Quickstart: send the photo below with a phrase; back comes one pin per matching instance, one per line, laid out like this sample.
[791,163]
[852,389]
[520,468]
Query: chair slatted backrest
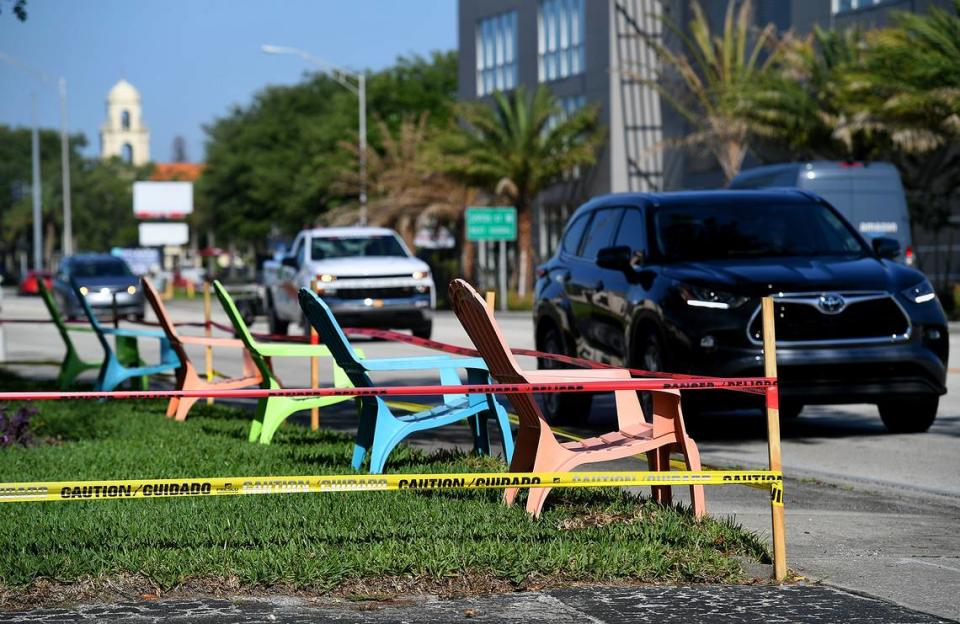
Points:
[243,332]
[92,317]
[54,312]
[321,317]
[483,330]
[164,319]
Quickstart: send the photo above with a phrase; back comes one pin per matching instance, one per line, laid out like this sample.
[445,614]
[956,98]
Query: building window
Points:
[840,6]
[127,153]
[497,53]
[125,120]
[559,39]
[567,105]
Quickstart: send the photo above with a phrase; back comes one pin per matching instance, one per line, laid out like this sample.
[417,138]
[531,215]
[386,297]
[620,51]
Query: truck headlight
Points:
[421,274]
[705,297]
[131,290]
[326,278]
[921,293]
[84,290]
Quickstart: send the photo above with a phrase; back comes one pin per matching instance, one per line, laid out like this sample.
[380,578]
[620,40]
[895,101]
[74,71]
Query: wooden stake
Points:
[773,438]
[207,331]
[314,370]
[491,298]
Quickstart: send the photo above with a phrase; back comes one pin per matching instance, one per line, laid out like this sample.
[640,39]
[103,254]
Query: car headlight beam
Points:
[706,297]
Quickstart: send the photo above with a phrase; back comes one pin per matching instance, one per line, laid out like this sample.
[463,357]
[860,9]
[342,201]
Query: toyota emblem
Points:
[831,303]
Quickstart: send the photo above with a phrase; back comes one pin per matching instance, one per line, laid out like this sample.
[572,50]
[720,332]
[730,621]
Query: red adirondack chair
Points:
[187,376]
[537,447]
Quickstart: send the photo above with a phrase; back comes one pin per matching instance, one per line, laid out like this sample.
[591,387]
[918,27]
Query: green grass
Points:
[317,541]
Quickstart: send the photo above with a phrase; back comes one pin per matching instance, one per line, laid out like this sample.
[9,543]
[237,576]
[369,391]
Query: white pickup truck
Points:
[366,275]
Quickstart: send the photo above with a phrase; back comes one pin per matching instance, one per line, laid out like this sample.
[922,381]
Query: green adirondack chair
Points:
[73,365]
[272,411]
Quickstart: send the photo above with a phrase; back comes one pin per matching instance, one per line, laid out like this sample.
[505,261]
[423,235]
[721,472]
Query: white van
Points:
[868,194]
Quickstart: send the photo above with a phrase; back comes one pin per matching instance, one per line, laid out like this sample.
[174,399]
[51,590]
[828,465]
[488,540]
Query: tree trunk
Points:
[524,245]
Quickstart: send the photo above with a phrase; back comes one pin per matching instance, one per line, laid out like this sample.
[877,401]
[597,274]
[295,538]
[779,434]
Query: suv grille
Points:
[865,318]
[391,292]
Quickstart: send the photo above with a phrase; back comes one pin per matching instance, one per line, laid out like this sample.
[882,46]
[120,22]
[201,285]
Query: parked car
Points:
[107,283]
[869,194]
[366,275]
[28,285]
[673,281]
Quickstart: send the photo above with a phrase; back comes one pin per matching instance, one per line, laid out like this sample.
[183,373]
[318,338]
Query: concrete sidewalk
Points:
[798,604]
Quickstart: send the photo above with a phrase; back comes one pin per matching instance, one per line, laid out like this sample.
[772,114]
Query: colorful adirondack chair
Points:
[538,448]
[380,430]
[72,366]
[187,376]
[115,370]
[272,411]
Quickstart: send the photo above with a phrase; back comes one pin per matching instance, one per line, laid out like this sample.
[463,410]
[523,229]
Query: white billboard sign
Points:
[162,234]
[162,200]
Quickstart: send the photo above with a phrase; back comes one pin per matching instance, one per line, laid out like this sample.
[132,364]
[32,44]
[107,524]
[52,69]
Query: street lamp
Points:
[67,245]
[343,77]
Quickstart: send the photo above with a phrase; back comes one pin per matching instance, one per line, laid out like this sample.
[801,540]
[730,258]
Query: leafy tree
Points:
[709,81]
[515,149]
[273,165]
[19,9]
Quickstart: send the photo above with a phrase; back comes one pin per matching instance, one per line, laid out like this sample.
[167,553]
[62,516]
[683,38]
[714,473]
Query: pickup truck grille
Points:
[391,292]
[864,318]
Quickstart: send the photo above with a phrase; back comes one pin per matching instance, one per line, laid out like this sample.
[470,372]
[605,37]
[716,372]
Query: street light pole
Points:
[37,211]
[360,90]
[66,246]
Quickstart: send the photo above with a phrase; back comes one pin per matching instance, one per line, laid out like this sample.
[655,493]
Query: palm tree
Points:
[517,148]
[804,105]
[710,80]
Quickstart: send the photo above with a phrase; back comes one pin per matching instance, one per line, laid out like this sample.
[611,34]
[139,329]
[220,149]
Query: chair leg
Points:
[276,412]
[506,434]
[183,408]
[256,425]
[172,406]
[692,455]
[524,455]
[388,434]
[666,491]
[548,462]
[365,429]
[653,462]
[481,437]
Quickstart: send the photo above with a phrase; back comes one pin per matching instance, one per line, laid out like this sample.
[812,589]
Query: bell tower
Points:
[123,133]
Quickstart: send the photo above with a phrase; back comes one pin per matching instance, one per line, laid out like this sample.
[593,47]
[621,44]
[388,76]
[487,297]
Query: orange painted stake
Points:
[208,332]
[773,440]
[314,370]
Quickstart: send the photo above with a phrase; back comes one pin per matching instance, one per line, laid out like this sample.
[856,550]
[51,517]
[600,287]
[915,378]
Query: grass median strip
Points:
[318,542]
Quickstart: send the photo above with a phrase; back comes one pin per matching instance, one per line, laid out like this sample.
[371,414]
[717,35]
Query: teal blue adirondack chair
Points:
[380,430]
[114,372]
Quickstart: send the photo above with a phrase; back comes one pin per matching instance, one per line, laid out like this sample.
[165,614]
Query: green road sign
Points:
[491,223]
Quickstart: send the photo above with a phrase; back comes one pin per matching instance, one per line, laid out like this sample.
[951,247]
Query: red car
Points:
[28,285]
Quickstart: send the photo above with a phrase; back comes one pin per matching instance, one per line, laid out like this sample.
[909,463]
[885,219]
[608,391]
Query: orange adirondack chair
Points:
[187,376]
[537,448]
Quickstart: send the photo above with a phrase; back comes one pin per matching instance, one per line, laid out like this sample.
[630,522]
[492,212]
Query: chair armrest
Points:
[133,333]
[575,374]
[209,341]
[286,349]
[423,363]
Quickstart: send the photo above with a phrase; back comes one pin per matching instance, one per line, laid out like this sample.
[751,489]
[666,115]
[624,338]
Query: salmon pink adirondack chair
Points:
[187,376]
[537,448]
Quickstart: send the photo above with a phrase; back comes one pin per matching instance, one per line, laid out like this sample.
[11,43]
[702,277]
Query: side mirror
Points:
[887,248]
[290,261]
[616,258]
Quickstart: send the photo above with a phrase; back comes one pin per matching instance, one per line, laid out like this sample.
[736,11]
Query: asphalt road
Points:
[866,510]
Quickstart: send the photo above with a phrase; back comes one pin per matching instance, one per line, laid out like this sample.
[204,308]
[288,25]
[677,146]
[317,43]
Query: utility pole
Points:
[67,244]
[37,212]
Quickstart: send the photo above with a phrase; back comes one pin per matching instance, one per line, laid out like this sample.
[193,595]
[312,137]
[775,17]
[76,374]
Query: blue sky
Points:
[193,59]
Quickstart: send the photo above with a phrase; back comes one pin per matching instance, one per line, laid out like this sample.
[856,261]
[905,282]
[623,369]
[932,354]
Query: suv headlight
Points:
[921,293]
[705,297]
[421,274]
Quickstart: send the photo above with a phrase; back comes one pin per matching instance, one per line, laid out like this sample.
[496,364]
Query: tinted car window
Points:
[571,240]
[107,267]
[322,248]
[632,231]
[707,232]
[601,232]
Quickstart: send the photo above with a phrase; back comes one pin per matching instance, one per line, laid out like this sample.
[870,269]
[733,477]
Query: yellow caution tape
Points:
[237,486]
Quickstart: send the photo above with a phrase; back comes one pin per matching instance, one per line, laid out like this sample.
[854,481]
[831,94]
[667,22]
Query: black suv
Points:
[673,281]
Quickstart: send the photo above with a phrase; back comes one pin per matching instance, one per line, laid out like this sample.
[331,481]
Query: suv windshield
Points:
[705,232]
[323,248]
[108,267]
